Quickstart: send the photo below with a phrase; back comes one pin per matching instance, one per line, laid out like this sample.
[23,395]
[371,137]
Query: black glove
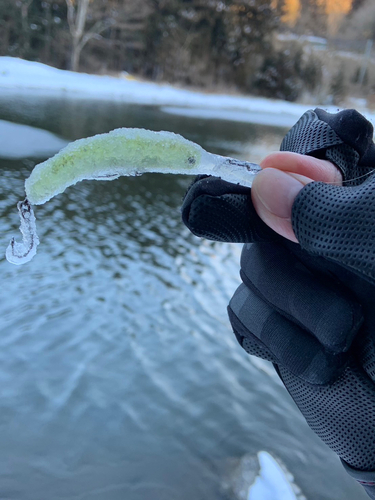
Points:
[310,308]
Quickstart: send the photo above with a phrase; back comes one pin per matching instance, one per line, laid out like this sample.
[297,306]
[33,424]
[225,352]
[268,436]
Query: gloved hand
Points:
[309,307]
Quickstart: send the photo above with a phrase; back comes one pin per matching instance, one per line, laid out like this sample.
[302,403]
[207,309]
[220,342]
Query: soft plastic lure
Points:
[123,151]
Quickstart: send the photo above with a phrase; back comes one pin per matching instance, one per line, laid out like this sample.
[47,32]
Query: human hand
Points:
[276,187]
[308,308]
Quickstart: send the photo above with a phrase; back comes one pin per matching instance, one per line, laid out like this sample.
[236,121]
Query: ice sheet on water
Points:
[23,141]
[20,253]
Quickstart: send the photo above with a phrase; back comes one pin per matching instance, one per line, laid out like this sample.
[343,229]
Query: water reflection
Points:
[74,119]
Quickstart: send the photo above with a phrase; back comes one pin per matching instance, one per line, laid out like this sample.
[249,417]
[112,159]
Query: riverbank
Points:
[26,77]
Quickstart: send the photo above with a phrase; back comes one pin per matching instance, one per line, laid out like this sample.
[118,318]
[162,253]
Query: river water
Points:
[120,377]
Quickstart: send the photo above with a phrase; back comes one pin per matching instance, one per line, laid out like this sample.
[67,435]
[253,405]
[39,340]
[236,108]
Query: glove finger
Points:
[329,313]
[264,332]
[221,211]
[338,223]
[344,138]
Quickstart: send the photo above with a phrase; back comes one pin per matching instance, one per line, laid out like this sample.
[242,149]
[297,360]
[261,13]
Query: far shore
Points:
[18,76]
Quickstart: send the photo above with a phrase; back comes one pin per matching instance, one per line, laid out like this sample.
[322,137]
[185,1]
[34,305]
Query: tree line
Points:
[204,43]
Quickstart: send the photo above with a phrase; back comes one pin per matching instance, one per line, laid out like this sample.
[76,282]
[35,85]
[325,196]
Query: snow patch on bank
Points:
[32,78]
[260,117]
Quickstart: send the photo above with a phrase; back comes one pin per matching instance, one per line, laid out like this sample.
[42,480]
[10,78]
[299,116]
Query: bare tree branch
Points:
[98,28]
[71,15]
[77,17]
[81,16]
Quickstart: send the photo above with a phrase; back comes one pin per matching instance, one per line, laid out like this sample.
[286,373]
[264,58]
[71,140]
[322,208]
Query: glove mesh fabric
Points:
[345,155]
[338,223]
[367,355]
[343,415]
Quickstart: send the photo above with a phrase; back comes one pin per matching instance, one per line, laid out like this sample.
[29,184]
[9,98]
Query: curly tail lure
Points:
[123,151]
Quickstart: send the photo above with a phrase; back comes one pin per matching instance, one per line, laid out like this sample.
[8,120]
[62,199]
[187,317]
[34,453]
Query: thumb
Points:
[273,193]
[284,175]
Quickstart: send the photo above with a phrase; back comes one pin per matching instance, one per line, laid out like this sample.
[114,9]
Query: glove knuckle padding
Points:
[330,313]
[252,343]
[338,223]
[308,330]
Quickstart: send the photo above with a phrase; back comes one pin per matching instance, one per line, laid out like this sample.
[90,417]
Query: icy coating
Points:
[20,253]
[108,156]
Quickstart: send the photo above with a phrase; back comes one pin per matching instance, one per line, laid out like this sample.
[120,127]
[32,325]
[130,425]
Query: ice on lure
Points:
[121,152]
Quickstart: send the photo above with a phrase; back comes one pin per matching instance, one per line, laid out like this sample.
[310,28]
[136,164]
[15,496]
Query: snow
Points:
[260,477]
[260,117]
[32,78]
[272,482]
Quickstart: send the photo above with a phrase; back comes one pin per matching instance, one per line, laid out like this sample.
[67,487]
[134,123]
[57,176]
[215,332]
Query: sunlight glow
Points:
[291,10]
[334,9]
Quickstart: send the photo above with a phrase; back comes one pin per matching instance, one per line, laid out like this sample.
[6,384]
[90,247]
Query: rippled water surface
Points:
[120,377]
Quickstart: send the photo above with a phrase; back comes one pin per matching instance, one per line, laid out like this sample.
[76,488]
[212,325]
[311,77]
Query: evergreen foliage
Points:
[204,43]
[286,74]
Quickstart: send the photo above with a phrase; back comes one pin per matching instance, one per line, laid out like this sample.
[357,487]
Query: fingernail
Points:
[277,190]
